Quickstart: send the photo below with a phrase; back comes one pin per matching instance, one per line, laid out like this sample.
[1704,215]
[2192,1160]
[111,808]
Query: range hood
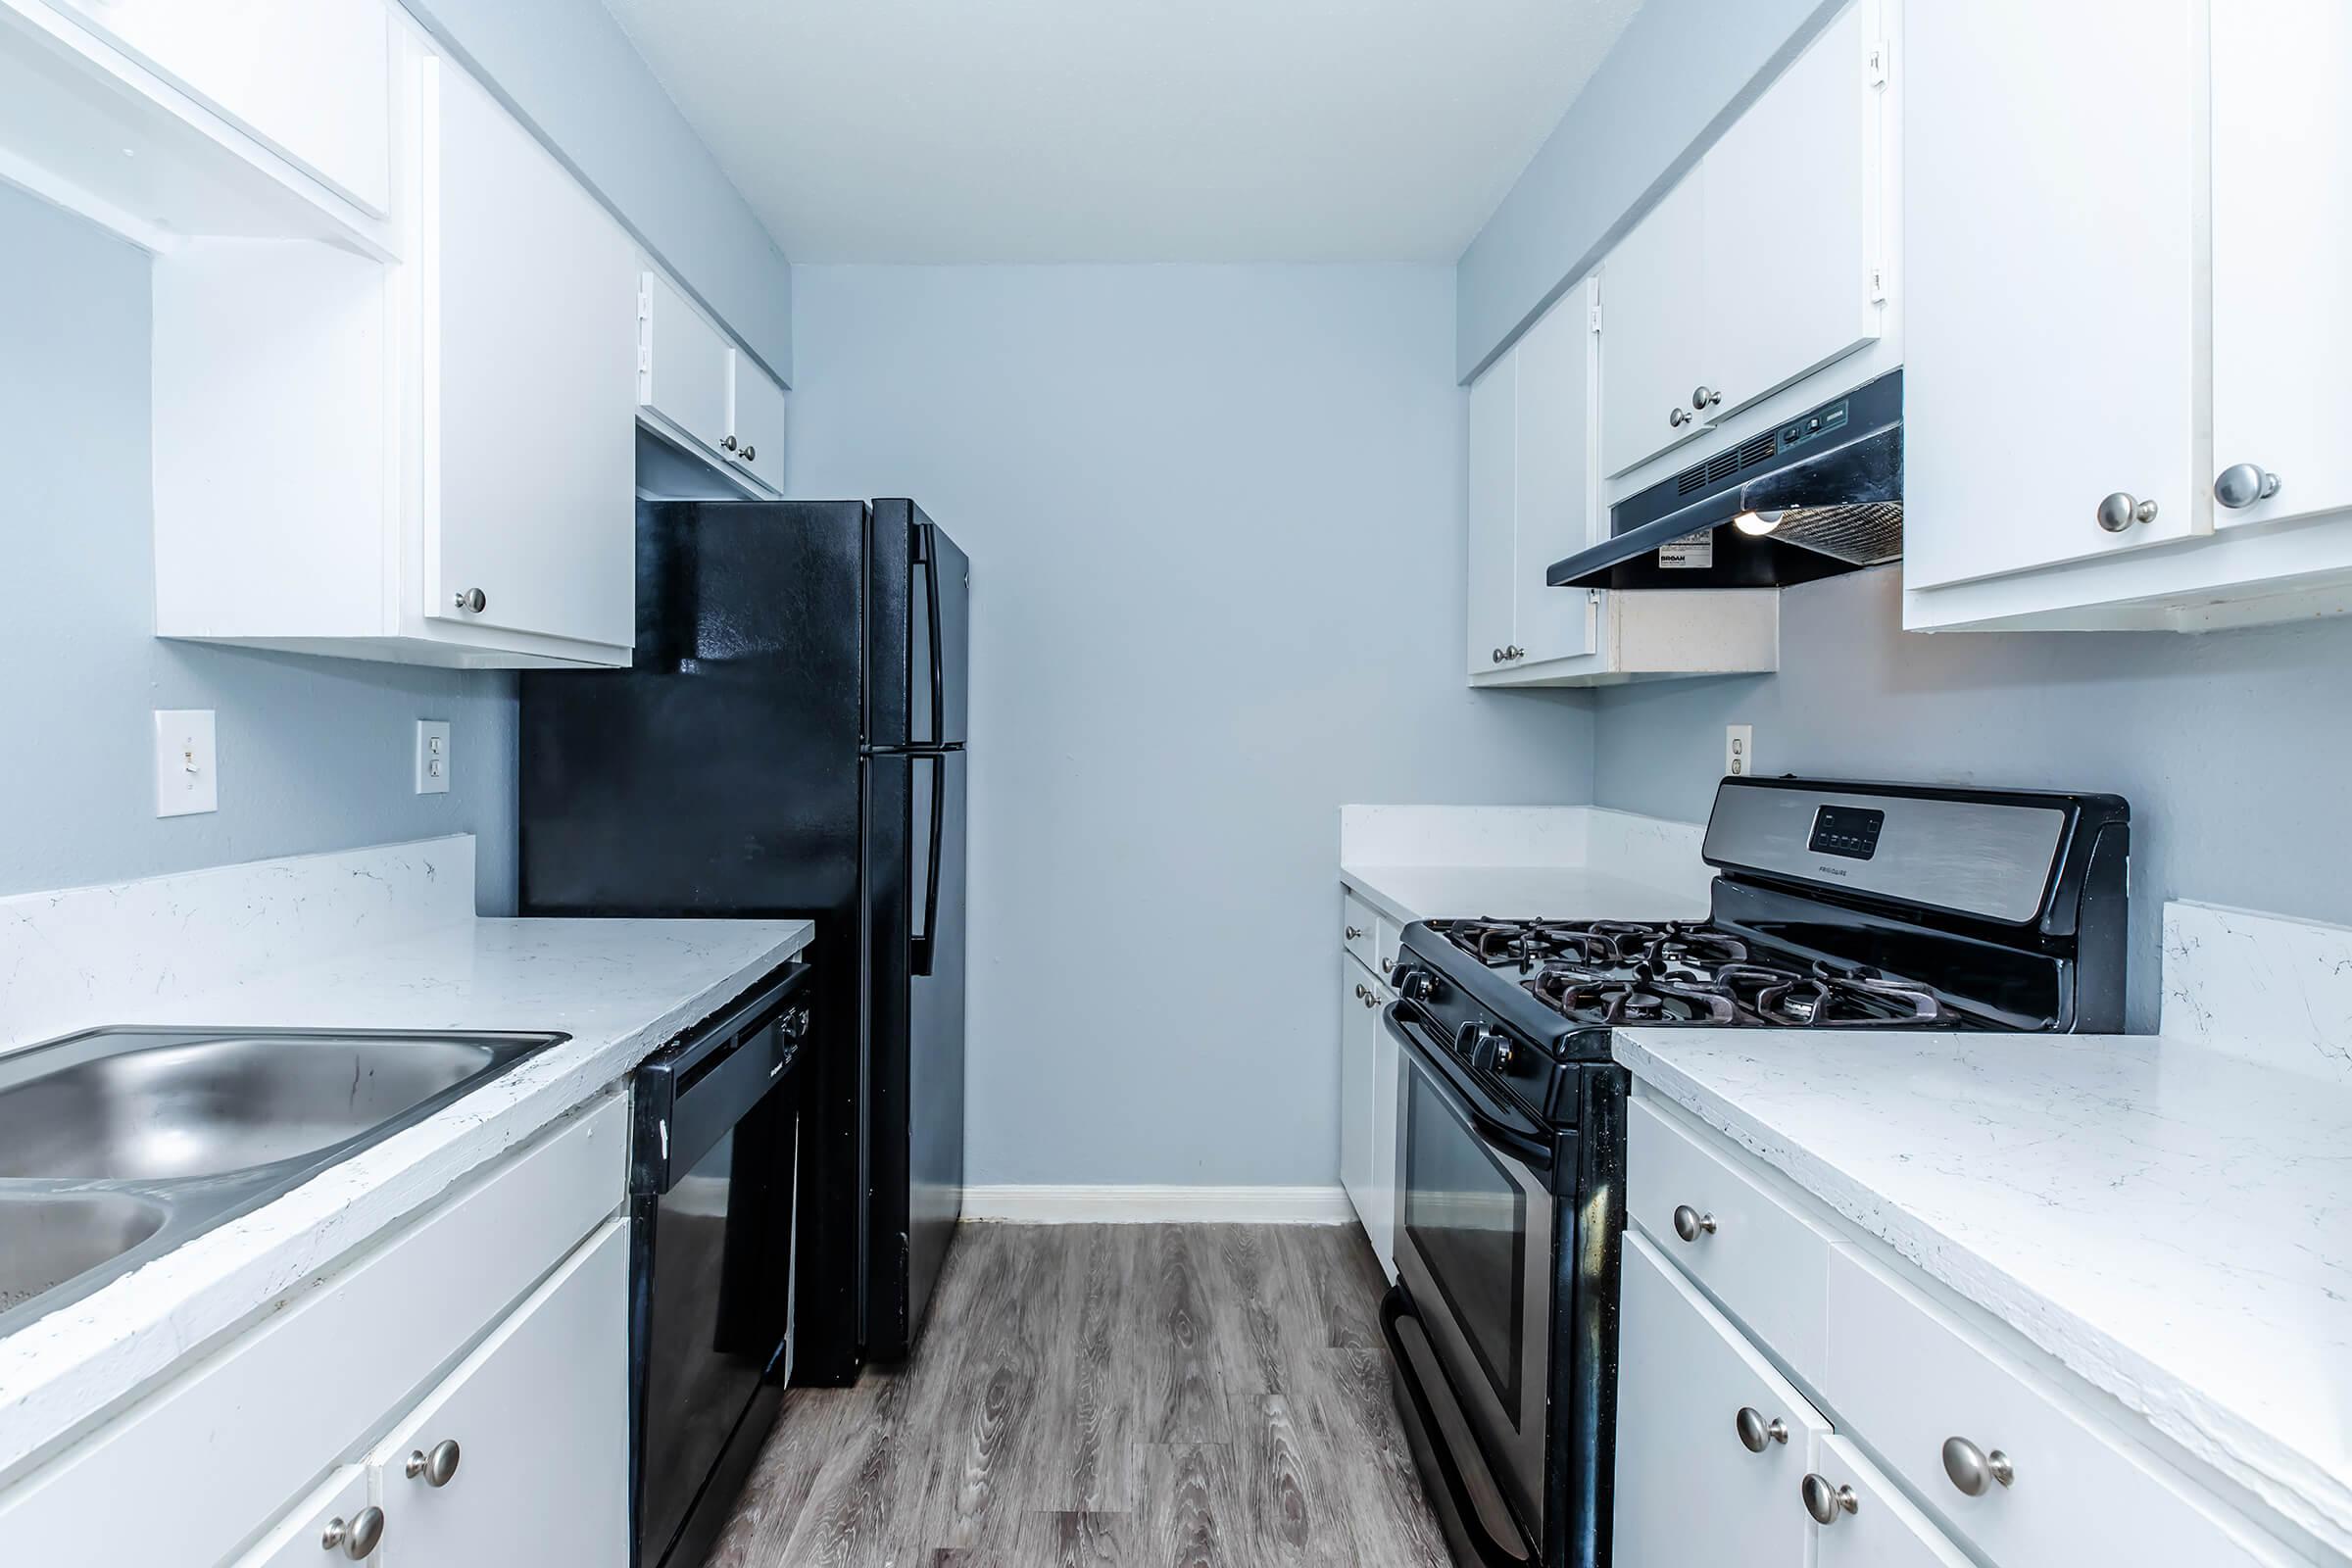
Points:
[1819,494]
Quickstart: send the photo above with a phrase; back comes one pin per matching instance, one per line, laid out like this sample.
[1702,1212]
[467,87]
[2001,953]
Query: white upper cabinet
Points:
[1492,512]
[2053,249]
[530,382]
[2281,257]
[1653,322]
[310,79]
[684,368]
[1794,220]
[1556,512]
[1764,264]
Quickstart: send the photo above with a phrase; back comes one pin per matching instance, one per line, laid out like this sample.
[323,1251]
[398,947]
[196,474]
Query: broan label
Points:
[1691,549]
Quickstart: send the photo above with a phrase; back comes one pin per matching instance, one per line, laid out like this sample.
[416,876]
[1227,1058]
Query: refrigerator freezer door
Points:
[918,633]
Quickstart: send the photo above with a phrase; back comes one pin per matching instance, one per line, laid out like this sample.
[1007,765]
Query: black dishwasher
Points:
[710,1200]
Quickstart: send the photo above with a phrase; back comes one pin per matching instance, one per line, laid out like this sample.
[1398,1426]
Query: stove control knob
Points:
[1418,985]
[1501,1044]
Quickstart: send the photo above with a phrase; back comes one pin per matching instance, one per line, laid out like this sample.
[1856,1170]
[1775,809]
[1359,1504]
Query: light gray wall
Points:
[315,754]
[566,67]
[1214,519]
[1682,70]
[2231,747]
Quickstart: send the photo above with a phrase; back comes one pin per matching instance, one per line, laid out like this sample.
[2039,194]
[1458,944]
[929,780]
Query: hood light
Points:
[1756,525]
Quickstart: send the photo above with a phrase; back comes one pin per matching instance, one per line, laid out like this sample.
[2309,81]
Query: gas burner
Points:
[1583,996]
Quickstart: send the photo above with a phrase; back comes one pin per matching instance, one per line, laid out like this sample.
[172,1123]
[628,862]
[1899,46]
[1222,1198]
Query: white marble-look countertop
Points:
[1570,863]
[2171,1222]
[619,988]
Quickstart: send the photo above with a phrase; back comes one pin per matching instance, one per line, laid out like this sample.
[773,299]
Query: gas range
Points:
[1836,906]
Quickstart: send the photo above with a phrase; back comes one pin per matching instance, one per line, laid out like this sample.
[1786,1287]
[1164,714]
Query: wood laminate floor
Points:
[1118,1395]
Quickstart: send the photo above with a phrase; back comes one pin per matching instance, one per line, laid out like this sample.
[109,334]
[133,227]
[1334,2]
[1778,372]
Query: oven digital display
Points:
[1851,831]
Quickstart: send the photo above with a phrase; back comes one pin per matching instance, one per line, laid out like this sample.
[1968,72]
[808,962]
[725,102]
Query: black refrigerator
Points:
[789,741]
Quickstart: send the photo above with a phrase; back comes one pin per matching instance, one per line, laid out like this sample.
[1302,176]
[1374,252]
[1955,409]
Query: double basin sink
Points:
[119,1145]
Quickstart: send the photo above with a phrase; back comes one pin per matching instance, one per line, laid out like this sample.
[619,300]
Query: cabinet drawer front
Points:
[1763,1260]
[1688,1489]
[1885,1529]
[323,1374]
[1360,930]
[1908,1377]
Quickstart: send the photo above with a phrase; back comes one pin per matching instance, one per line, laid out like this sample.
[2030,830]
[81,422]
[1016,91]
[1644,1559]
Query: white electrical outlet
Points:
[433,756]
[186,763]
[1739,750]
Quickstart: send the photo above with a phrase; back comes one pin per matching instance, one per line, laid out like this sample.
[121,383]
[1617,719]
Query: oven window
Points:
[1469,1220]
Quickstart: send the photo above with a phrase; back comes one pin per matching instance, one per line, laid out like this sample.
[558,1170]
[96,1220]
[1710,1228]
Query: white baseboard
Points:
[1159,1205]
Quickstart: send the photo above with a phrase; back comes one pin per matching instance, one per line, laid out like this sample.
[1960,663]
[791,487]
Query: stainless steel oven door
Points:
[1473,1228]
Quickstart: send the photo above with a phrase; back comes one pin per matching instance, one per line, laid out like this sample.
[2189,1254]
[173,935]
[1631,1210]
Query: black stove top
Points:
[1620,972]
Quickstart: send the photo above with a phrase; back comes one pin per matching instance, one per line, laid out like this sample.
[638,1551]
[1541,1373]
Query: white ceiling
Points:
[1063,131]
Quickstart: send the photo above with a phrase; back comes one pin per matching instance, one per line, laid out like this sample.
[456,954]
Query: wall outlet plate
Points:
[1739,750]
[433,756]
[187,763]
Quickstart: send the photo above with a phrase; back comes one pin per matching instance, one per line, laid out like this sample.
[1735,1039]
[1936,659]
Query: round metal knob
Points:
[473,600]
[1689,1224]
[1371,998]
[1757,1432]
[728,445]
[1826,1501]
[1676,418]
[2241,484]
[750,452]
[1354,931]
[2122,510]
[1514,652]
[1359,991]
[1972,1470]
[1499,656]
[1705,397]
[437,1465]
[357,1538]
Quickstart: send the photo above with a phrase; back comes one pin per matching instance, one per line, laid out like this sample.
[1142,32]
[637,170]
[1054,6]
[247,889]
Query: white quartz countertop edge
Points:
[2302,1490]
[60,1372]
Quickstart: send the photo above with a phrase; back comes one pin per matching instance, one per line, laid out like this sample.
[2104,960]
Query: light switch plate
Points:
[1739,750]
[187,763]
[433,756]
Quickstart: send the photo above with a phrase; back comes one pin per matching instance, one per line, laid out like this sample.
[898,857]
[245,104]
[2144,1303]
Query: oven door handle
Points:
[1522,1143]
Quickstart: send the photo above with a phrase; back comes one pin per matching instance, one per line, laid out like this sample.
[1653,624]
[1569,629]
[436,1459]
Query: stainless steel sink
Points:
[117,1145]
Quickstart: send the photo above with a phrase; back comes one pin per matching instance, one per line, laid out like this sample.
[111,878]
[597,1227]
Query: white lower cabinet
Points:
[1369,1064]
[1869,1523]
[330,1513]
[1692,1393]
[522,1455]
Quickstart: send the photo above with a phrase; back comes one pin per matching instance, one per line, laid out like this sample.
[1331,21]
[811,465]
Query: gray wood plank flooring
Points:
[1109,1397]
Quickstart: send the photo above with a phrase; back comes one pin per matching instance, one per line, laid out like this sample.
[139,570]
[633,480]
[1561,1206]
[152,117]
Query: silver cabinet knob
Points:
[750,452]
[2122,510]
[1757,1433]
[1676,418]
[357,1538]
[1354,931]
[1499,656]
[1824,1500]
[1513,653]
[728,445]
[436,1466]
[1359,991]
[473,600]
[1705,397]
[2241,484]
[1371,997]
[1972,1470]
[1689,1224]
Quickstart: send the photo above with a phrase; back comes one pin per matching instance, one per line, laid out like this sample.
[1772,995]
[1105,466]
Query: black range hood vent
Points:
[1820,495]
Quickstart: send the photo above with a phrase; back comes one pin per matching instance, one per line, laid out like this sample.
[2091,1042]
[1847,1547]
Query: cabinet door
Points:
[298,1540]
[1689,1490]
[2281,252]
[1359,1026]
[758,421]
[1380,1209]
[1493,505]
[1654,345]
[683,366]
[540,1416]
[2051,253]
[1884,1530]
[1555,514]
[309,77]
[530,383]
[1791,195]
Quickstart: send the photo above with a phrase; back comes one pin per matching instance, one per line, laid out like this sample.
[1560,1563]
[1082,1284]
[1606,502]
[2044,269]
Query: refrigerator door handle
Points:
[925,933]
[927,555]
